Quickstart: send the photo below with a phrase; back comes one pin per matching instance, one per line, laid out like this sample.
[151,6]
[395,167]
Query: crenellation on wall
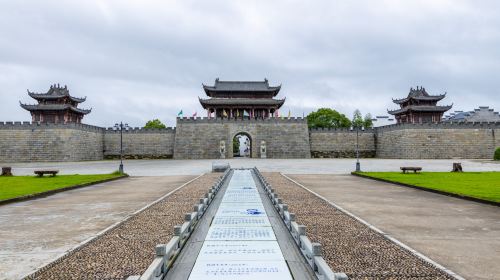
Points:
[141,130]
[347,130]
[441,125]
[36,125]
[257,120]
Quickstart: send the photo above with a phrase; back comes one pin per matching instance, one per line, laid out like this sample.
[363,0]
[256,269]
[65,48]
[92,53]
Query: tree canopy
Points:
[357,119]
[368,123]
[156,123]
[327,118]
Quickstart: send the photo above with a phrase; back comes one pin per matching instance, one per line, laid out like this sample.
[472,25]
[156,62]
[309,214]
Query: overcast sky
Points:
[139,60]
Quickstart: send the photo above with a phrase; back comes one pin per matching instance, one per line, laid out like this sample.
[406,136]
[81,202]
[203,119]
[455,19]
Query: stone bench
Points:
[409,168]
[52,173]
[6,171]
[220,166]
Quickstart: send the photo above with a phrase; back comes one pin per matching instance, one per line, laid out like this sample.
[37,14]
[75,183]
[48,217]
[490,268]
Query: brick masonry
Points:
[285,138]
[438,141]
[21,142]
[341,143]
[140,143]
[201,137]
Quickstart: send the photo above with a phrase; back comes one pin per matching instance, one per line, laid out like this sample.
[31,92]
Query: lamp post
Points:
[120,127]
[358,164]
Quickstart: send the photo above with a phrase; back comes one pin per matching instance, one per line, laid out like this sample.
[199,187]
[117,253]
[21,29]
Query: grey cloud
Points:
[137,60]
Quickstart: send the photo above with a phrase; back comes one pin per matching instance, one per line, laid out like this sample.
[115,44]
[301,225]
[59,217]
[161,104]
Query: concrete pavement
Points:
[463,236]
[291,166]
[35,232]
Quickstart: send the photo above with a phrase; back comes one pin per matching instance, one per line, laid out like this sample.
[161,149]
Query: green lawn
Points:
[15,186]
[483,185]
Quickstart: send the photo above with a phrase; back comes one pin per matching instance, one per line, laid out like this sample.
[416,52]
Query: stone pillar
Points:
[263,149]
[222,149]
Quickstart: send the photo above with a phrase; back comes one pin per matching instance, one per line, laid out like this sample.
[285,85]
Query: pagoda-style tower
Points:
[419,107]
[241,99]
[56,106]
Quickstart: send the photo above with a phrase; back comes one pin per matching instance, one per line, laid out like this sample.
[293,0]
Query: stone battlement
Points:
[346,130]
[201,138]
[142,130]
[441,125]
[220,120]
[35,125]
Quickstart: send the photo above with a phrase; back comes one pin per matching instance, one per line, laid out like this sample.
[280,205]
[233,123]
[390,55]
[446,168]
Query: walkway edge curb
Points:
[385,235]
[464,197]
[52,192]
[102,232]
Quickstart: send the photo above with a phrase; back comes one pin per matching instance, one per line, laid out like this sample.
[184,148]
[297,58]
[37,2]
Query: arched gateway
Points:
[241,113]
[242,145]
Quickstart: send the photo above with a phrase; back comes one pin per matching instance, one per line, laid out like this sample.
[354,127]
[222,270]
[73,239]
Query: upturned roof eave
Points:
[428,98]
[62,108]
[39,96]
[244,103]
[420,109]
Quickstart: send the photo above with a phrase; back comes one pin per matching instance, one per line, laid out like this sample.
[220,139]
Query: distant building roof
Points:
[481,114]
[248,87]
[383,121]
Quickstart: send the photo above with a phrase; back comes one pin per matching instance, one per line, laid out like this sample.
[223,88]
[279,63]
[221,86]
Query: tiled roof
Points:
[416,108]
[54,107]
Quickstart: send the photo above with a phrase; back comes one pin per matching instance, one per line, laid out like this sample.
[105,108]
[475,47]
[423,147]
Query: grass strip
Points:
[481,185]
[19,186]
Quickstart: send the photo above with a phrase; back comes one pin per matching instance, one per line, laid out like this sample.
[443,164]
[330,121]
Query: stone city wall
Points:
[199,138]
[438,141]
[24,142]
[285,138]
[140,143]
[341,143]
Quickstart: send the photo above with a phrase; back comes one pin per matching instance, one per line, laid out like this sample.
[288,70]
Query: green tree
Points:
[497,154]
[368,122]
[357,119]
[327,118]
[236,146]
[156,123]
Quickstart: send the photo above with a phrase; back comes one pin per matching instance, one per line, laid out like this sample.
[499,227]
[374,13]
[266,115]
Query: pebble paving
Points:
[348,245]
[128,249]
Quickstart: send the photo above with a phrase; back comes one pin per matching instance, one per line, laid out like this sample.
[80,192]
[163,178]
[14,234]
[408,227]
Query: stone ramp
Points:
[240,237]
[241,244]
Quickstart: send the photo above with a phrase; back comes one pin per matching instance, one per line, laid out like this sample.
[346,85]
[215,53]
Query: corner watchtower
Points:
[419,107]
[56,106]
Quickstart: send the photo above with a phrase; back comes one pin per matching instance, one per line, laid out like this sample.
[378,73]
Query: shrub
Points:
[497,154]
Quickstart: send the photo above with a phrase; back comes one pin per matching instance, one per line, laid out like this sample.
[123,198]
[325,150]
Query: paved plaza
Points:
[288,166]
[463,236]
[40,230]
